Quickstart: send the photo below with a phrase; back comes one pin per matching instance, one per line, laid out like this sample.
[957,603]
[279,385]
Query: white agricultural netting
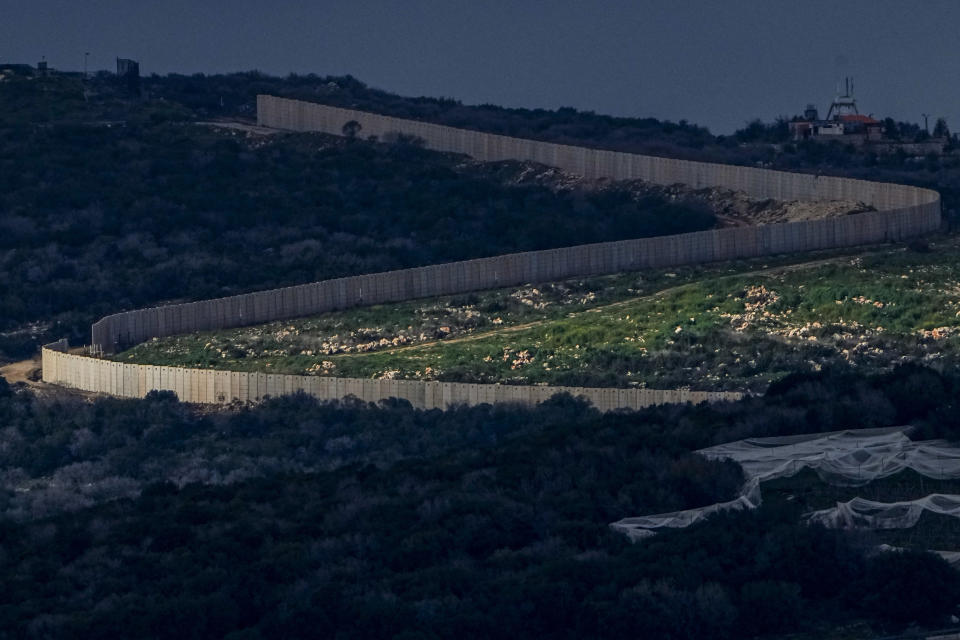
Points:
[645,526]
[952,557]
[869,514]
[848,458]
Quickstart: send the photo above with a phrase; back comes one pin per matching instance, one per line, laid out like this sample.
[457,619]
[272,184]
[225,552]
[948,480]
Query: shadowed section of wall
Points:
[207,386]
[903,212]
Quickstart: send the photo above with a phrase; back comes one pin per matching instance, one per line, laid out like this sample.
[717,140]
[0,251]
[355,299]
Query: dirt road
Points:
[242,126]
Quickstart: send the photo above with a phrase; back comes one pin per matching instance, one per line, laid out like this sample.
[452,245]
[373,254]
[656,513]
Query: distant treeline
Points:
[297,519]
[757,143]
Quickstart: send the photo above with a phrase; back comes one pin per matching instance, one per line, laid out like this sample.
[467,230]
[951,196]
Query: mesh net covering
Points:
[869,514]
[847,458]
[952,557]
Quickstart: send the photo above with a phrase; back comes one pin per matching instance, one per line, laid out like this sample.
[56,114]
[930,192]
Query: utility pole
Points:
[86,55]
[926,125]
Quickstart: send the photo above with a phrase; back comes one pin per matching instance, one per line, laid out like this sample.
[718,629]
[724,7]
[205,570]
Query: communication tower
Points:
[843,104]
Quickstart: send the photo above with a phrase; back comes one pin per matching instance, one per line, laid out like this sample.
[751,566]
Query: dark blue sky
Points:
[718,62]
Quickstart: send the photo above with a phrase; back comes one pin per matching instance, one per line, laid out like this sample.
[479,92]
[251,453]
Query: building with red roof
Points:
[844,122]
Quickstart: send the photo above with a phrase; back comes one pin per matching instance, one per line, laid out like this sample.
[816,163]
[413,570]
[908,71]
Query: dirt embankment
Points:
[732,208]
[737,209]
[23,371]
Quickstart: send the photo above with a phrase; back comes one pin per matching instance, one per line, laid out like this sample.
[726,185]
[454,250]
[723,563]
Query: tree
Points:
[351,129]
[891,129]
[931,583]
[941,130]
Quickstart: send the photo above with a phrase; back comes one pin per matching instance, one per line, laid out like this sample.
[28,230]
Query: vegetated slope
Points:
[234,95]
[99,215]
[110,203]
[731,327]
[755,145]
[731,208]
[300,519]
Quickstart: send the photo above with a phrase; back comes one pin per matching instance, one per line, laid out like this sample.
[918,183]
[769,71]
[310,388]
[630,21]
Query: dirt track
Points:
[242,126]
[472,337]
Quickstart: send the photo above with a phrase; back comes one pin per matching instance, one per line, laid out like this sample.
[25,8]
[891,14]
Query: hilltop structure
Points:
[128,72]
[844,122]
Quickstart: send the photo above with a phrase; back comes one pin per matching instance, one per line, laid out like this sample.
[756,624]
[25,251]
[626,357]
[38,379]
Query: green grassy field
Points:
[733,326]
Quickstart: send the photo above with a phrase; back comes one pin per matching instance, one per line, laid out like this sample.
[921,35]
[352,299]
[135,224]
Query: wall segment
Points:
[298,115]
[902,212]
[208,386]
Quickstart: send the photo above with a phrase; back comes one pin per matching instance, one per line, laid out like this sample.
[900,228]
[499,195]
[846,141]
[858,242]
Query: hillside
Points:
[757,144]
[183,212]
[293,516]
[190,212]
[296,518]
[725,327]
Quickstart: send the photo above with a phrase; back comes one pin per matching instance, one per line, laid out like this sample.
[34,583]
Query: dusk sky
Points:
[714,63]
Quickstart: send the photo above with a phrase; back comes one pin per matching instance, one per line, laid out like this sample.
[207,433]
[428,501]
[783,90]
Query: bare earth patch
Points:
[24,371]
[732,208]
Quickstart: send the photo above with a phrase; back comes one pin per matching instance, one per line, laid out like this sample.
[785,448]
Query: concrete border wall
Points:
[903,212]
[298,115]
[208,386]
[117,331]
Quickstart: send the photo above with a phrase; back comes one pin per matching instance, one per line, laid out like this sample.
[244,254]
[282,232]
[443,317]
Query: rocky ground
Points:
[732,208]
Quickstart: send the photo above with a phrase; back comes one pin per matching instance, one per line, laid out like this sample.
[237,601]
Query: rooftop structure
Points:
[843,122]
[129,72]
[127,67]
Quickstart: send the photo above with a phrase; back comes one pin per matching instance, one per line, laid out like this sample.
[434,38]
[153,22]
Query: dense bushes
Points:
[346,555]
[300,519]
